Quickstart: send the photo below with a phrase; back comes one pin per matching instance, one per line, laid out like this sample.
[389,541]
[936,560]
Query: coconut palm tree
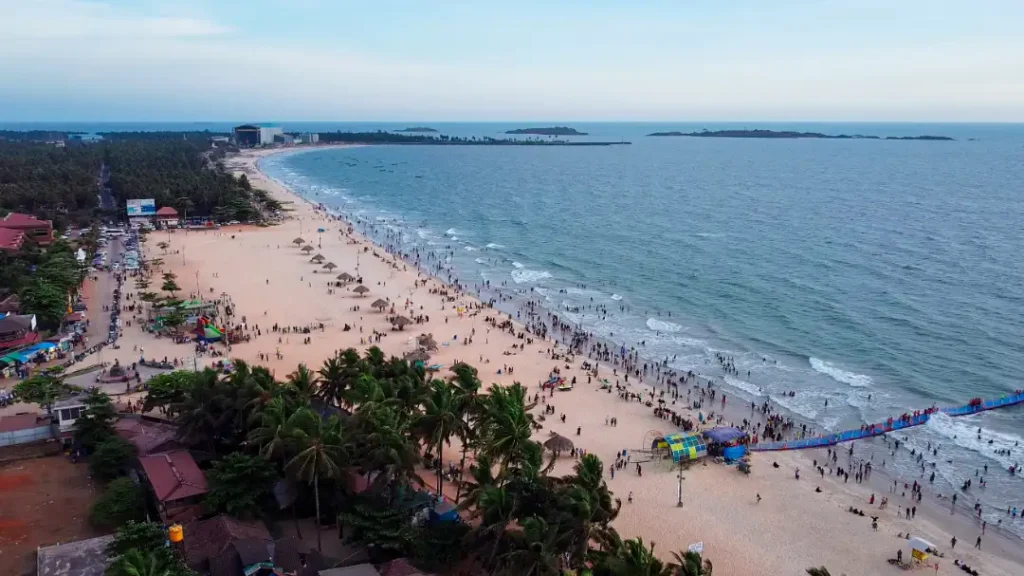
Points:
[534,551]
[691,564]
[303,383]
[338,375]
[441,419]
[139,563]
[320,452]
[820,571]
[386,450]
[505,425]
[269,432]
[632,558]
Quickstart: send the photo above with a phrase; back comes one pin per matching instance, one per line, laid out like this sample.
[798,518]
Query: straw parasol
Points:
[360,289]
[318,258]
[426,341]
[418,355]
[330,266]
[307,248]
[298,241]
[558,443]
[380,303]
[400,322]
[346,277]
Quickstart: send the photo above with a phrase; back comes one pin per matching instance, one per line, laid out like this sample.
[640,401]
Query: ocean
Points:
[881,276]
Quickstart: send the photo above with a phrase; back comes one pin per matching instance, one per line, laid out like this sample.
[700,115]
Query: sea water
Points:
[881,276]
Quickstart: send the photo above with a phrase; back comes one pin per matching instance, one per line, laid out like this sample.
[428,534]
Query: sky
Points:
[483,60]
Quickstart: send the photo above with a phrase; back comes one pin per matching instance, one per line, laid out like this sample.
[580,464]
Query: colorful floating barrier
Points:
[891,425]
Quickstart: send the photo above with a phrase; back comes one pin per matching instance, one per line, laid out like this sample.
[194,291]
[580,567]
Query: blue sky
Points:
[894,60]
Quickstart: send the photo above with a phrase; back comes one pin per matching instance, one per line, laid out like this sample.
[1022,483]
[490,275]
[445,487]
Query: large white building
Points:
[251,135]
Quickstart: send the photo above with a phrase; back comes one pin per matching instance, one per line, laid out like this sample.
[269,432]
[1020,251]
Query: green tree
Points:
[386,531]
[338,376]
[691,564]
[159,562]
[303,383]
[170,285]
[820,571]
[163,246]
[174,318]
[138,535]
[240,485]
[535,550]
[111,458]
[48,301]
[441,419]
[120,502]
[97,421]
[43,390]
[166,390]
[320,452]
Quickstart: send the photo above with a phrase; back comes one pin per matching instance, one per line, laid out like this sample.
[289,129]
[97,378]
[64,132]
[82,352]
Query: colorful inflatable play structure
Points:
[206,332]
[683,446]
[908,420]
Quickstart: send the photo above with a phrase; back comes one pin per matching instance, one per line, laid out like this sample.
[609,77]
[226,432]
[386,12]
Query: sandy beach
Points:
[271,282]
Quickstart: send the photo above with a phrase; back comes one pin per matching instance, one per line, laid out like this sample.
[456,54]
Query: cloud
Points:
[69,19]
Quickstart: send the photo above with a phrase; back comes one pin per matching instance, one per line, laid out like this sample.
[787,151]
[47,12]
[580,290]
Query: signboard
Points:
[141,207]
[698,548]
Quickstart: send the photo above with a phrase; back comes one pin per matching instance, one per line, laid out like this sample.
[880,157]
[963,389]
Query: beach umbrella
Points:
[330,266]
[298,241]
[418,355]
[400,322]
[558,443]
[307,248]
[427,342]
[318,258]
[360,289]
[346,277]
[380,303]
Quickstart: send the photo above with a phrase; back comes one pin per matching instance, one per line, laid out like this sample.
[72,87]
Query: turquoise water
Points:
[880,276]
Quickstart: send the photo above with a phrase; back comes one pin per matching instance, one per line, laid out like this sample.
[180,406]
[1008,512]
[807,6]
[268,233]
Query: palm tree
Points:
[469,395]
[506,425]
[535,550]
[136,563]
[691,564]
[820,571]
[386,449]
[440,420]
[338,375]
[633,558]
[269,432]
[303,383]
[321,452]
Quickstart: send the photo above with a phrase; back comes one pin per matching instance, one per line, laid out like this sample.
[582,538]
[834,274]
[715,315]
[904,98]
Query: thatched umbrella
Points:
[360,289]
[298,241]
[427,342]
[400,322]
[418,355]
[346,277]
[318,258]
[380,303]
[307,248]
[330,266]
[558,443]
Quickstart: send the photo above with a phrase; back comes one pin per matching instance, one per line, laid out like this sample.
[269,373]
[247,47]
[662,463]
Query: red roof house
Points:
[11,239]
[149,436]
[177,483]
[40,231]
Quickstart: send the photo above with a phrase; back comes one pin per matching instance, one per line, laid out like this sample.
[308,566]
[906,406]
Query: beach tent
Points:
[683,446]
[729,441]
[724,434]
[919,548]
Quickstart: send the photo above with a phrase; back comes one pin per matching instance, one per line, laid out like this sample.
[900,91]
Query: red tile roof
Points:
[167,211]
[22,221]
[28,338]
[11,239]
[174,475]
[22,422]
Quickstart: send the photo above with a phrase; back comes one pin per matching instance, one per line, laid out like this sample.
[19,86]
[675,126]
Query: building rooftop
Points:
[82,558]
[17,323]
[22,422]
[148,436]
[357,570]
[174,475]
[20,221]
[70,402]
[11,239]
[167,211]
[207,539]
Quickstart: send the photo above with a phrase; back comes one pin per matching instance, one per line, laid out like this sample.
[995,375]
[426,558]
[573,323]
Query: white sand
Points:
[791,529]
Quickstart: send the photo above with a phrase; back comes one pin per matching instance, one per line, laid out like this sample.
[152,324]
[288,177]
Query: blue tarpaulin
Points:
[724,434]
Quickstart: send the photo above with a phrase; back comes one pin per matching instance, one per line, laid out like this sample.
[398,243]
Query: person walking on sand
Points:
[759,498]
[977,543]
[630,498]
[578,430]
[952,543]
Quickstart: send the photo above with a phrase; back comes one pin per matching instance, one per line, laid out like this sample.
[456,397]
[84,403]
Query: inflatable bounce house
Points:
[206,331]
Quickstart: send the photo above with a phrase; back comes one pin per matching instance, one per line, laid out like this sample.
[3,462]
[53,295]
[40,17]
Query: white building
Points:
[267,134]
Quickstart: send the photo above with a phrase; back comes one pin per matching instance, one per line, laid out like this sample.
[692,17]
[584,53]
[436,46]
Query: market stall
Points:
[727,441]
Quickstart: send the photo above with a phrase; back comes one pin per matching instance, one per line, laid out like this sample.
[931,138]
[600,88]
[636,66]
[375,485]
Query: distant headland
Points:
[551,131]
[790,135]
[423,129]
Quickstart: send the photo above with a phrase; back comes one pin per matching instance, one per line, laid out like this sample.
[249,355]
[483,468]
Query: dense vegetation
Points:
[375,421]
[43,280]
[58,184]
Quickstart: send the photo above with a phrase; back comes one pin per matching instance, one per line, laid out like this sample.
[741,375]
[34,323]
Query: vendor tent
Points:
[724,434]
[683,447]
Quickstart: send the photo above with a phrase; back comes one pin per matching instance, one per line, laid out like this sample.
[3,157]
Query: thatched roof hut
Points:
[380,303]
[558,443]
[298,241]
[418,355]
[318,258]
[307,248]
[360,289]
[400,322]
[346,277]
[330,266]
[426,341]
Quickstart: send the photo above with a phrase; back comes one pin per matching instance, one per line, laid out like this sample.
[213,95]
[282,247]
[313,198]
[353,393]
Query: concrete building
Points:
[65,412]
[81,558]
[39,231]
[167,217]
[268,134]
[249,135]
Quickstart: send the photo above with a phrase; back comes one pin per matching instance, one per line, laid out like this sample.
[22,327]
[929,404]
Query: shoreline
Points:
[271,282]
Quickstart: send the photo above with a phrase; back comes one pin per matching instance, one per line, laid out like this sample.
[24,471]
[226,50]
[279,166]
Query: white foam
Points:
[492,245]
[517,265]
[663,326]
[469,249]
[839,375]
[616,297]
[522,275]
[455,237]
[743,385]
[481,261]
[964,433]
[451,231]
[423,233]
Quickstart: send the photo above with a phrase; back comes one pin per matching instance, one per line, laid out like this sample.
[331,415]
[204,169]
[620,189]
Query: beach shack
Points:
[728,442]
[920,549]
[682,446]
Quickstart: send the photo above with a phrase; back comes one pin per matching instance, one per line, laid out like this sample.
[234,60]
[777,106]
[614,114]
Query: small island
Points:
[786,134]
[417,129]
[551,131]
